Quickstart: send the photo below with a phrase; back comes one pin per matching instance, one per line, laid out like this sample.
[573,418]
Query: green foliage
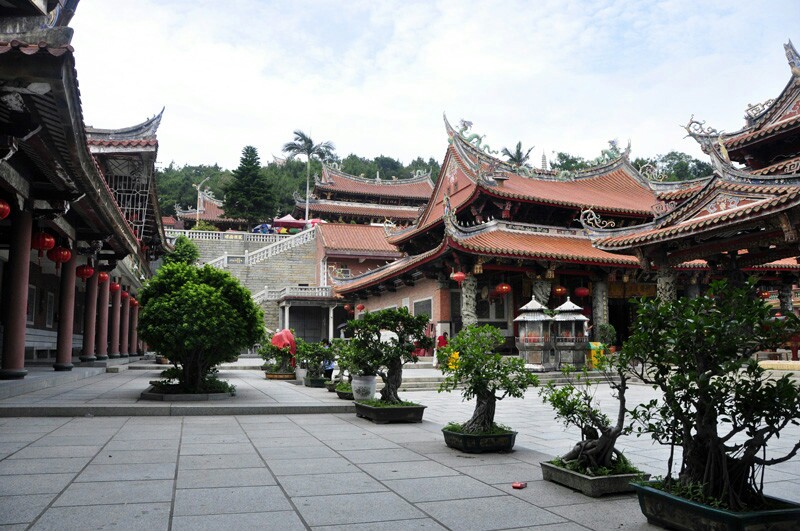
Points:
[480,370]
[677,166]
[517,157]
[198,318]
[496,429]
[175,184]
[275,359]
[344,387]
[203,225]
[607,334]
[249,195]
[185,252]
[381,403]
[373,350]
[573,402]
[620,465]
[566,162]
[171,383]
[719,407]
[312,355]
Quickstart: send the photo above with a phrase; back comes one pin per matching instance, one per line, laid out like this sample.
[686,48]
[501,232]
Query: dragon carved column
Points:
[600,302]
[665,284]
[469,292]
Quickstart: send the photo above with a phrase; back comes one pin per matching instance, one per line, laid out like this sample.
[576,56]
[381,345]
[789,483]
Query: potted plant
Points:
[382,343]
[718,408]
[277,362]
[311,355]
[607,335]
[594,465]
[469,361]
[340,349]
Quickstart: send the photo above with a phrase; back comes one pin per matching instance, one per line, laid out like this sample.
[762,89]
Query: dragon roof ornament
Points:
[793,57]
[589,218]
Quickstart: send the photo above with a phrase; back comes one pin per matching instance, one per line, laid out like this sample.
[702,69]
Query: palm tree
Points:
[517,158]
[303,145]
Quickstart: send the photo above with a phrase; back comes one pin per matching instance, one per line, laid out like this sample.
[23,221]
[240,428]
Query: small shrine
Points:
[570,337]
[533,340]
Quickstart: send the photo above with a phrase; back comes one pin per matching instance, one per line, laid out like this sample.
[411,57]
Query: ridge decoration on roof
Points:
[143,131]
[333,179]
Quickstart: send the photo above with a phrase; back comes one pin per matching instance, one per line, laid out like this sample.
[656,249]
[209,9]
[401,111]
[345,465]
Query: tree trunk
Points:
[483,416]
[392,381]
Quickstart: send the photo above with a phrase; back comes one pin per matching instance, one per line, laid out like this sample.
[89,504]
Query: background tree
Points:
[197,318]
[517,157]
[249,195]
[677,166]
[566,162]
[175,184]
[185,252]
[303,145]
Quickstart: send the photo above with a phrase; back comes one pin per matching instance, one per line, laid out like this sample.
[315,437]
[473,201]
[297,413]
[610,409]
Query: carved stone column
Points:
[599,303]
[665,284]
[785,298]
[469,293]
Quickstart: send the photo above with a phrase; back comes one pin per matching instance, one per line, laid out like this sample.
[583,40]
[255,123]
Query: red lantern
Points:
[764,294]
[84,271]
[502,289]
[102,276]
[582,292]
[134,302]
[560,291]
[459,277]
[59,255]
[347,307]
[360,307]
[42,241]
[125,294]
[5,209]
[113,287]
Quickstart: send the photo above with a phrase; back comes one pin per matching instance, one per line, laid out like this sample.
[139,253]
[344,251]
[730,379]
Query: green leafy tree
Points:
[566,162]
[197,318]
[175,184]
[482,373]
[203,225]
[385,354]
[249,196]
[676,166]
[185,252]
[517,157]
[719,407]
[303,145]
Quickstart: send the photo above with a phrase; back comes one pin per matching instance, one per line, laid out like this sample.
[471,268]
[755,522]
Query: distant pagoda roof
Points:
[418,187]
[211,209]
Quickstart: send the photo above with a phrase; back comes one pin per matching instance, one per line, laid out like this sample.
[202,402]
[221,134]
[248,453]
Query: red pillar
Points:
[89,318]
[102,321]
[124,340]
[134,350]
[113,349]
[66,314]
[13,366]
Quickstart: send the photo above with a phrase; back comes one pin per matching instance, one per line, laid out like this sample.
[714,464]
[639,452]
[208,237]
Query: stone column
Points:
[134,349]
[286,316]
[89,319]
[469,294]
[102,320]
[785,298]
[665,284]
[113,348]
[599,303]
[330,322]
[66,314]
[124,327]
[13,366]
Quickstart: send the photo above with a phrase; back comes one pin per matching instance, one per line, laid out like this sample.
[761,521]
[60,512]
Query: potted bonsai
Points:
[607,335]
[277,356]
[469,360]
[719,409]
[594,466]
[311,355]
[342,353]
[383,342]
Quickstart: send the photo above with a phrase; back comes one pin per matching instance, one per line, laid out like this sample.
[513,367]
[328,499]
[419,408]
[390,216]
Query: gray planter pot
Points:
[478,444]
[384,415]
[594,486]
[364,387]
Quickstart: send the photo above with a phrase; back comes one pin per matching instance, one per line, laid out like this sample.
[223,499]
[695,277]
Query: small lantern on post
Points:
[42,241]
[59,255]
[114,287]
[102,276]
[84,272]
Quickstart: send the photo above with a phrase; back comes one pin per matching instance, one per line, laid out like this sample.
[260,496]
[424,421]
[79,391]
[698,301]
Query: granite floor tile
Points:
[225,500]
[355,508]
[190,462]
[129,472]
[295,467]
[127,516]
[109,493]
[224,477]
[407,469]
[256,521]
[601,515]
[24,508]
[325,484]
[42,466]
[505,512]
[417,524]
[34,484]
[442,488]
[505,473]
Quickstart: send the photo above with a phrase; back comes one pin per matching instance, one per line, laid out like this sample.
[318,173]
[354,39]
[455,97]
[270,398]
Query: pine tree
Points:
[249,195]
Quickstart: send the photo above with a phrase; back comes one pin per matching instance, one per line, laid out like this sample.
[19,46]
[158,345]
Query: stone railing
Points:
[267,294]
[250,258]
[203,235]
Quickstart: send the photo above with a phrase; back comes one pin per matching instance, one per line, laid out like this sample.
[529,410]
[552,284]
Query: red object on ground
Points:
[284,339]
[519,485]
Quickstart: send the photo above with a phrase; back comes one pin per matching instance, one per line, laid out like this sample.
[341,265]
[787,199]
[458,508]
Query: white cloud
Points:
[374,77]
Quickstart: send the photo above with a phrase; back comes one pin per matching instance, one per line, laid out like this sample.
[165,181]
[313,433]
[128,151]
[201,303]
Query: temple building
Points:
[75,202]
[208,209]
[339,197]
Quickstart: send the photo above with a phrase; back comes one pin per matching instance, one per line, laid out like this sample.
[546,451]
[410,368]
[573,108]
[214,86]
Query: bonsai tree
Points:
[469,360]
[276,359]
[342,353]
[198,318]
[718,406]
[311,355]
[607,334]
[383,342]
[574,404]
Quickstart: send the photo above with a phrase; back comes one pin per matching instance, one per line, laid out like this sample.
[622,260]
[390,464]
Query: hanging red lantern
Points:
[560,291]
[84,271]
[582,291]
[502,289]
[59,255]
[764,294]
[347,307]
[42,241]
[360,307]
[113,287]
[125,294]
[102,276]
[5,209]
[459,276]
[134,302]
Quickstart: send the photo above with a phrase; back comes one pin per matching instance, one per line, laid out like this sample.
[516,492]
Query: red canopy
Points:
[290,222]
[284,339]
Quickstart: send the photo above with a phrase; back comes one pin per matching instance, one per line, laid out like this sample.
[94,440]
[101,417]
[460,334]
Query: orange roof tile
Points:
[356,238]
[211,212]
[362,209]
[786,166]
[750,136]
[337,181]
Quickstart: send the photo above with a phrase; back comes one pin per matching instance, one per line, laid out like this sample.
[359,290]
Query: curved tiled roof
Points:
[122,143]
[752,136]
[791,165]
[406,213]
[338,181]
[346,237]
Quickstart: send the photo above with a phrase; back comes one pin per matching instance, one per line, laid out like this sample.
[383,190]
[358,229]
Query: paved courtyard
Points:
[296,471]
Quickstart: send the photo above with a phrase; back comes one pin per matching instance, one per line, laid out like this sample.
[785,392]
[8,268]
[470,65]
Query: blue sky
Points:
[374,77]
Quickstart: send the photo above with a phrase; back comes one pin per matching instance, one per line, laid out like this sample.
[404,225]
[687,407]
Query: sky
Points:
[375,76]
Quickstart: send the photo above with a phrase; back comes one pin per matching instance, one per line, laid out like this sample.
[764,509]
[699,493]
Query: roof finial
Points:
[793,57]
